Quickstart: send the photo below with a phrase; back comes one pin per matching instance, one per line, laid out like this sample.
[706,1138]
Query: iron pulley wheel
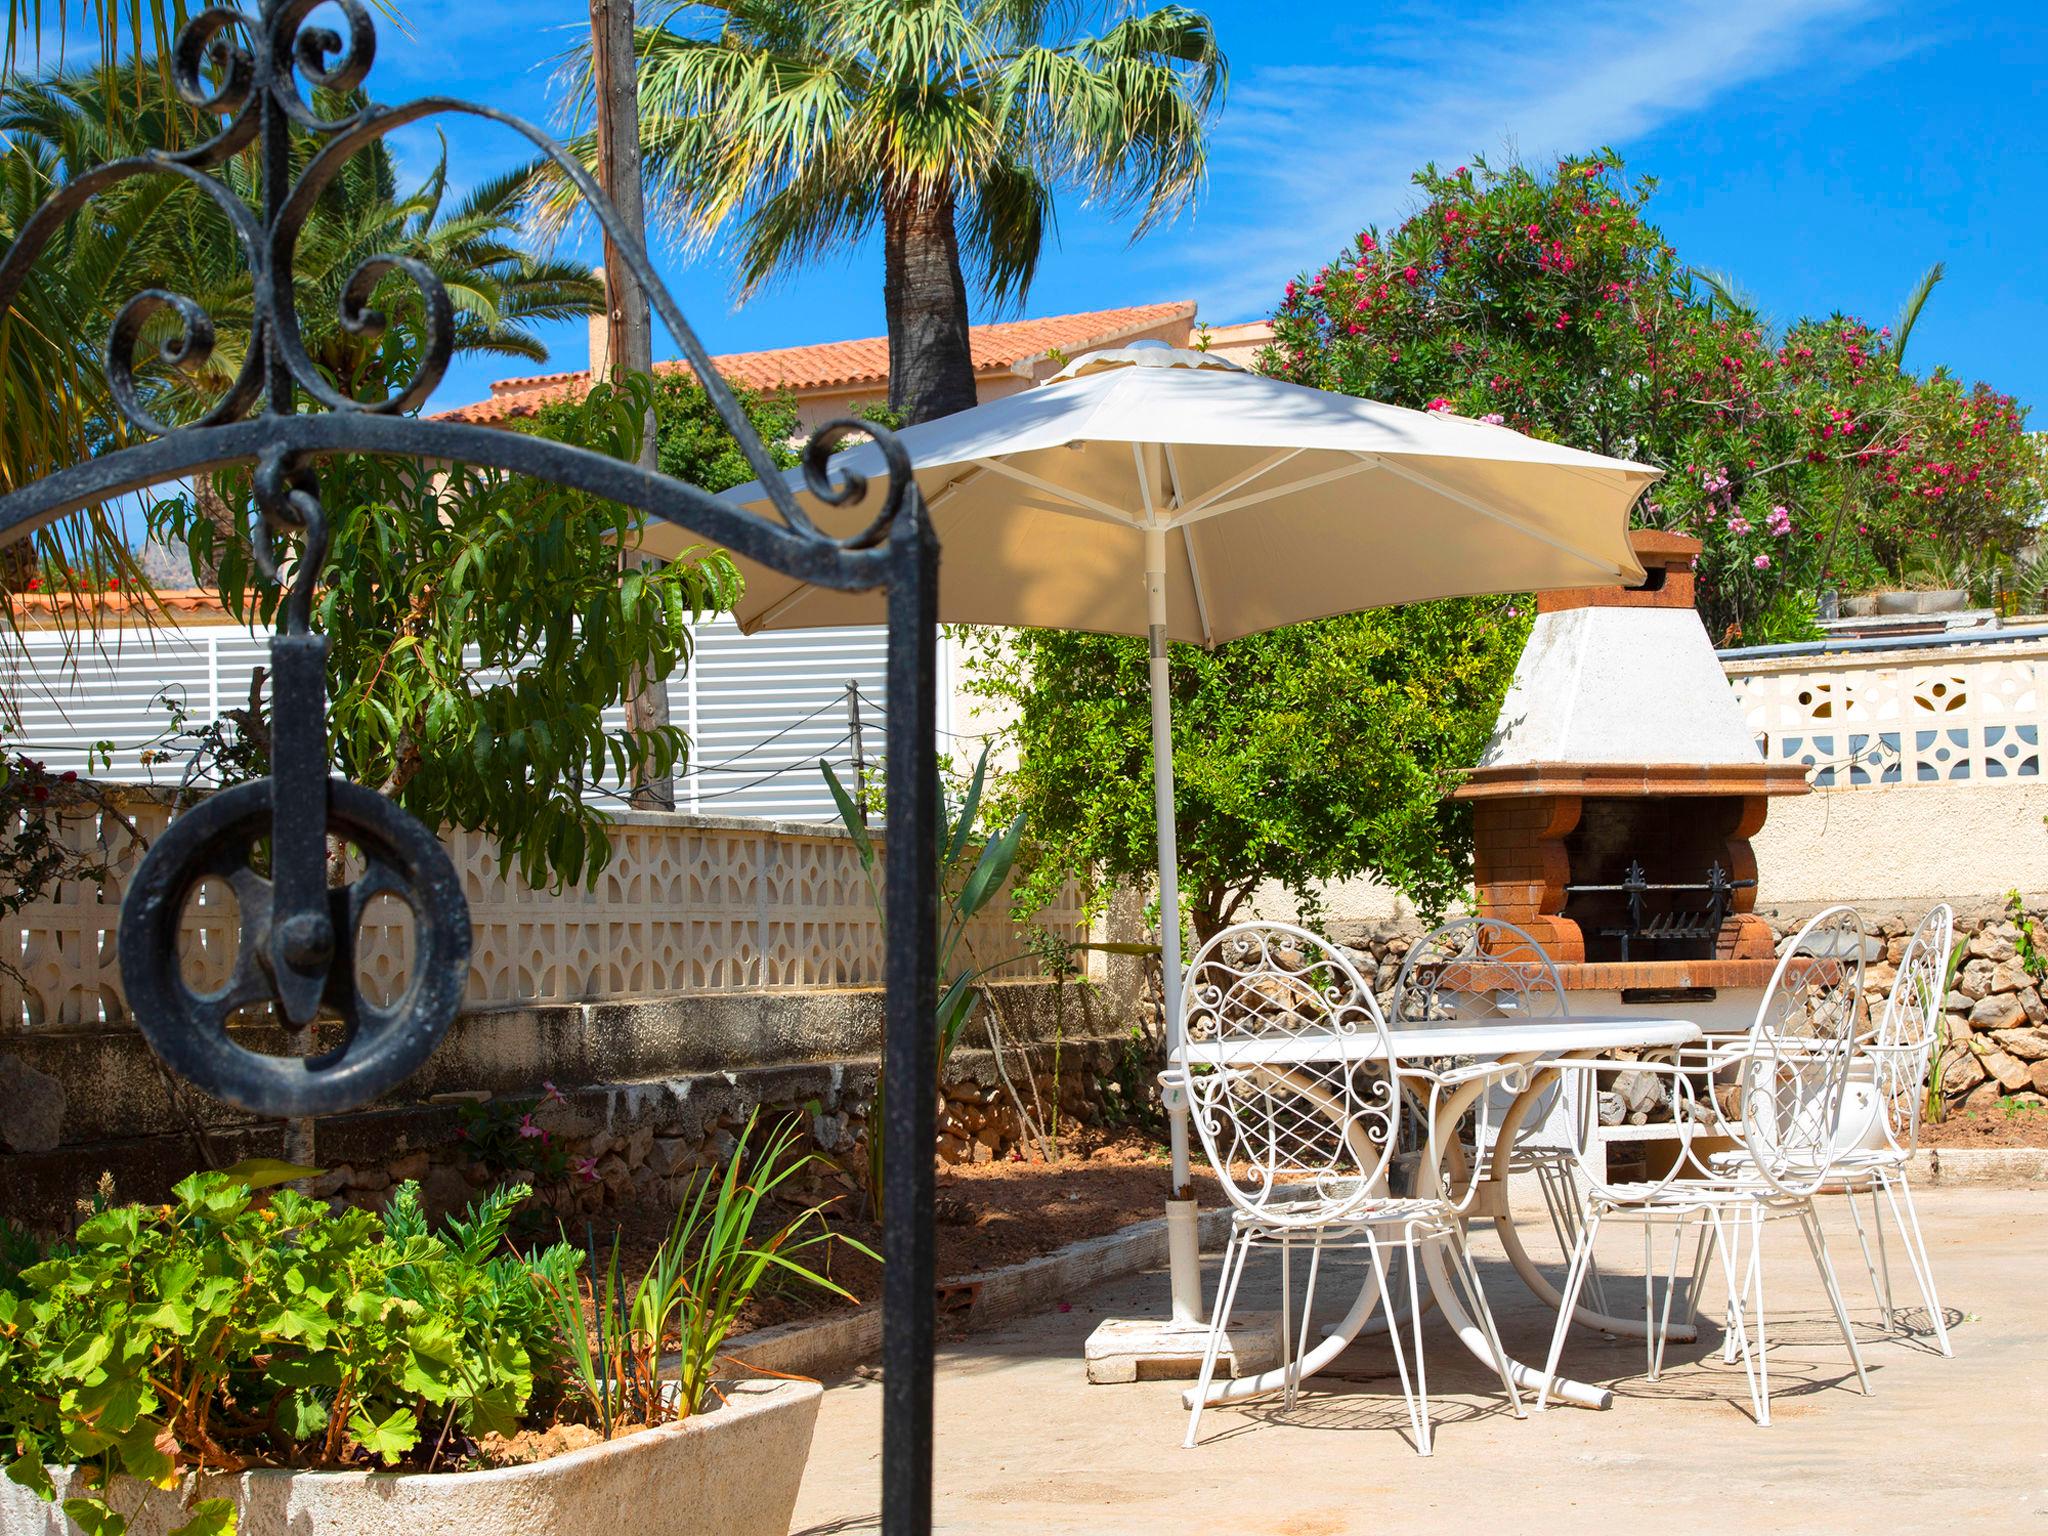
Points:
[382,1043]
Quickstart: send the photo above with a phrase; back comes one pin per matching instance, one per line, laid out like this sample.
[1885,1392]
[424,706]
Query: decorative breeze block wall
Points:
[687,904]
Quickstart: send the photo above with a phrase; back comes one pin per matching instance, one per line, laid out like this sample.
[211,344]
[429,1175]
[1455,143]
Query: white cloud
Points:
[1306,154]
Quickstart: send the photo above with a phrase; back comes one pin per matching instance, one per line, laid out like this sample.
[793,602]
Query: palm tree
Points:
[799,126]
[155,232]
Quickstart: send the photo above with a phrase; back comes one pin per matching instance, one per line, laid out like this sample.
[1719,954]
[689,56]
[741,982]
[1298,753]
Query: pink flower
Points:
[1367,245]
[1738,524]
[586,1169]
[1412,274]
[1762,562]
[1780,521]
[1494,419]
[1438,404]
[528,1129]
[552,1093]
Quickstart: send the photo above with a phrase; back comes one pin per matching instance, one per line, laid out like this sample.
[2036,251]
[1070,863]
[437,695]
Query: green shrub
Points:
[220,1332]
[217,1332]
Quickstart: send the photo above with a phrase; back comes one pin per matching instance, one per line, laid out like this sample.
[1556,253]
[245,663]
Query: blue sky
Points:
[1824,152]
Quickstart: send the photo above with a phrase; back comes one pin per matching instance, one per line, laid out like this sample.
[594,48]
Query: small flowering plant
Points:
[505,1136]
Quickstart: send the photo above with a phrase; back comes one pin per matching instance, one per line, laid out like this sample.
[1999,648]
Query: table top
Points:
[1492,1041]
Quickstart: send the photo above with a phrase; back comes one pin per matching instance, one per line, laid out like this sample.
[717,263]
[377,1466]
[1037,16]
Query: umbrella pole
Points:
[1183,1245]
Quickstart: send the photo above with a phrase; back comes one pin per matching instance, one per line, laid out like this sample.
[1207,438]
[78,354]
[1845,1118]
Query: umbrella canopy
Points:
[1147,491]
[1279,503]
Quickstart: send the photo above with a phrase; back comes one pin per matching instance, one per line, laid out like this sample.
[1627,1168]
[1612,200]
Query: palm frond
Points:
[1909,316]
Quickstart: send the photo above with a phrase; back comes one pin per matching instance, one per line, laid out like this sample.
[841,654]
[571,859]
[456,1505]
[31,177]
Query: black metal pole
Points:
[909,1046]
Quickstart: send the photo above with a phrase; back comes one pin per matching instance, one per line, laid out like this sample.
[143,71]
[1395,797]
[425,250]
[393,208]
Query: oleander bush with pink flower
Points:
[1805,459]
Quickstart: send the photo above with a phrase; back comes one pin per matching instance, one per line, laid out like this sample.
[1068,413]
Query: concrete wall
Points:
[1904,844]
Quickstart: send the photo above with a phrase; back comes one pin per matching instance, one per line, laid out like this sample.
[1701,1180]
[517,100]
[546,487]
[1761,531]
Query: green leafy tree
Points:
[799,127]
[480,629]
[1315,753]
[692,442]
[1553,305]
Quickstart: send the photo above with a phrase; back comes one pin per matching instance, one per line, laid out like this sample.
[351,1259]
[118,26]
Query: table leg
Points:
[1462,1323]
[1511,1239]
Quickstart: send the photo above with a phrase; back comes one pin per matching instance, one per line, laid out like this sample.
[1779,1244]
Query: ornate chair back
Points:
[1794,1069]
[1289,1075]
[1908,1030]
[1475,970]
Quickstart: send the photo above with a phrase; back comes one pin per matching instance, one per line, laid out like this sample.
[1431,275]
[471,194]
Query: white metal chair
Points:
[1880,1126]
[1291,1084]
[1477,970]
[1779,1093]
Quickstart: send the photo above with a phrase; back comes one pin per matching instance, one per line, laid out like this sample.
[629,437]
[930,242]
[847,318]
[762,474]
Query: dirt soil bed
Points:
[2025,1127]
[989,1214]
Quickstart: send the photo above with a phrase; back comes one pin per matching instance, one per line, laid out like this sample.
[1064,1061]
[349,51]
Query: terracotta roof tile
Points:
[846,364]
[31,606]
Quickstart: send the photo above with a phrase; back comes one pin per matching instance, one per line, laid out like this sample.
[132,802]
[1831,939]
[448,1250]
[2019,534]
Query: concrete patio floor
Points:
[1025,1444]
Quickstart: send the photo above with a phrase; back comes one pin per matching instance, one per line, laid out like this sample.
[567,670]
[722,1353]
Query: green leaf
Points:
[955,1009]
[28,1470]
[94,1518]
[849,816]
[992,869]
[210,1517]
[301,1415]
[970,808]
[268,1172]
[389,1438]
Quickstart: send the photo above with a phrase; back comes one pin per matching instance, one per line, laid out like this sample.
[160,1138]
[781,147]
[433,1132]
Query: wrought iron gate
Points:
[281,416]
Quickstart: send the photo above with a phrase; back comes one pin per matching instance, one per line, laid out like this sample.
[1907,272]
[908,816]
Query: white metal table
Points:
[1508,1043]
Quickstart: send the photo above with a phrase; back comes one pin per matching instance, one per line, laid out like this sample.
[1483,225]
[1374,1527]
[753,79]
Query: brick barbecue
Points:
[1613,811]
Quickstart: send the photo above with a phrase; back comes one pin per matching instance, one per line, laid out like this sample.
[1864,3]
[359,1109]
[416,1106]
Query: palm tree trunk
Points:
[631,344]
[931,369]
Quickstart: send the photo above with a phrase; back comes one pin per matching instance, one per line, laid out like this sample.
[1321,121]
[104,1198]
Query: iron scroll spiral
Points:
[271,842]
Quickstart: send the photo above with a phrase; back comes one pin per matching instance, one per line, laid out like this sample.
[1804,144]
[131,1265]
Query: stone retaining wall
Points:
[631,1095]
[1995,1033]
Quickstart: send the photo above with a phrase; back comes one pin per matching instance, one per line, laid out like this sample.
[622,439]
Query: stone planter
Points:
[730,1472]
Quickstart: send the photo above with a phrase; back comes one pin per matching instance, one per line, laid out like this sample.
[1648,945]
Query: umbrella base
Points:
[1155,1349]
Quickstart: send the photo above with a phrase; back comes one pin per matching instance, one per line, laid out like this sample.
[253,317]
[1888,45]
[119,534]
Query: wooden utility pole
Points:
[630,346]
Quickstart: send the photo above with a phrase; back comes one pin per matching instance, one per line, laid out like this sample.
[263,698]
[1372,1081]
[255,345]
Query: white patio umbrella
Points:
[1150,491]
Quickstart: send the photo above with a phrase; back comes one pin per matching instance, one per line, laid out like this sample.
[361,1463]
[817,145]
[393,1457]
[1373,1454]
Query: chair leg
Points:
[1561,1198]
[1738,1332]
[1379,1269]
[1763,1349]
[1481,1310]
[1234,1254]
[1751,1278]
[1286,1321]
[1709,1242]
[1308,1303]
[1884,1258]
[1809,1222]
[1900,1194]
[1415,1313]
[1880,1282]
[1661,1334]
[1575,1277]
